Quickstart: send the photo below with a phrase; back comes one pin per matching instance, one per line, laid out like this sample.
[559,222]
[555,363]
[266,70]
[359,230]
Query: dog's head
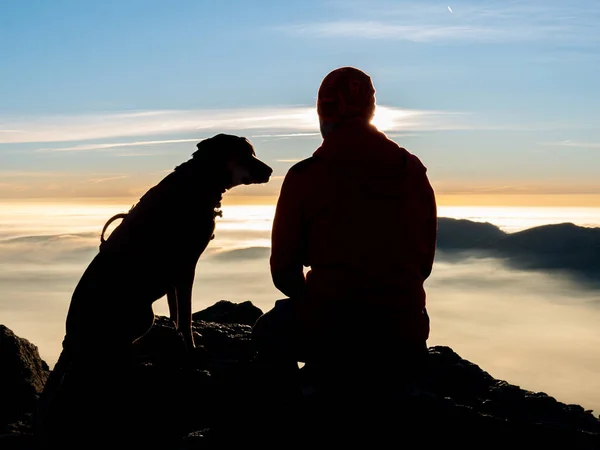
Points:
[235,154]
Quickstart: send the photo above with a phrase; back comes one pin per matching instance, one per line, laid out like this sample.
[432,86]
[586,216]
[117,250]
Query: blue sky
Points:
[101,98]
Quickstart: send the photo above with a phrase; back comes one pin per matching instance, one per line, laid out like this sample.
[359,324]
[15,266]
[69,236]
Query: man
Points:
[361,214]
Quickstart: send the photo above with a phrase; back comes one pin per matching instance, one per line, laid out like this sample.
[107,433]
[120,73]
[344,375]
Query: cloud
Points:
[43,249]
[32,174]
[39,273]
[62,128]
[250,253]
[287,135]
[294,121]
[104,180]
[135,154]
[265,123]
[533,329]
[88,147]
[564,248]
[75,184]
[529,328]
[373,29]
[574,144]
[483,22]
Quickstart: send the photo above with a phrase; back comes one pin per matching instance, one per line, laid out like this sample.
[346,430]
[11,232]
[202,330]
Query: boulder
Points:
[23,375]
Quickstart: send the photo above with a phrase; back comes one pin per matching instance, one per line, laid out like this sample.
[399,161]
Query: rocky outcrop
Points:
[222,398]
[23,375]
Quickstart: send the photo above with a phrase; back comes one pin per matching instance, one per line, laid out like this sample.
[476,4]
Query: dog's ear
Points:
[203,148]
[249,145]
[206,148]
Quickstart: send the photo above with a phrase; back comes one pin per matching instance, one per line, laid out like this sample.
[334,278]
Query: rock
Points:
[221,398]
[224,311]
[23,375]
[18,436]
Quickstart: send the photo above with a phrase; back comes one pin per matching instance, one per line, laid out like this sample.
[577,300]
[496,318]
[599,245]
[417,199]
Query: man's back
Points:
[365,220]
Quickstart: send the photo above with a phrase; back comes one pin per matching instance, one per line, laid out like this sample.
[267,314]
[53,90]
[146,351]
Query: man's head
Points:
[345,94]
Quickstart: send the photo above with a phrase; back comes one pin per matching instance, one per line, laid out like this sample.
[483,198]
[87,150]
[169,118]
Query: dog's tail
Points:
[111,220]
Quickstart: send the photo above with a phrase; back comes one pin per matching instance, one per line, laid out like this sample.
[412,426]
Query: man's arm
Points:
[287,240]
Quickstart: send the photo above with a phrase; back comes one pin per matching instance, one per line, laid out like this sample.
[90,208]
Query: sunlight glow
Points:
[387,118]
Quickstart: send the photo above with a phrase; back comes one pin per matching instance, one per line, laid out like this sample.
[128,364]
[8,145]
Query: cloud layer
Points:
[529,327]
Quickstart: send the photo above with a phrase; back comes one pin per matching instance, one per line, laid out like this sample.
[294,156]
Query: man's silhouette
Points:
[361,214]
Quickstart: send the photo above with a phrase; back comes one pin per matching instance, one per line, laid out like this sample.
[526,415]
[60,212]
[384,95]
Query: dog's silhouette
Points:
[154,250]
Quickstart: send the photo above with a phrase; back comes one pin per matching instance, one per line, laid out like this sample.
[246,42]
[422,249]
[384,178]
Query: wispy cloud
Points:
[104,180]
[375,29]
[272,122]
[76,184]
[267,123]
[569,143]
[23,174]
[135,154]
[62,128]
[467,21]
[287,135]
[88,147]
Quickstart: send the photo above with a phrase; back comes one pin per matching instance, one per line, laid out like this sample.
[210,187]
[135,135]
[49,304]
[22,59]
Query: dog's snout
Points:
[265,171]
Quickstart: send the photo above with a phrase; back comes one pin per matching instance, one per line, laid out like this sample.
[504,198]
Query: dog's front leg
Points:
[172,302]
[184,307]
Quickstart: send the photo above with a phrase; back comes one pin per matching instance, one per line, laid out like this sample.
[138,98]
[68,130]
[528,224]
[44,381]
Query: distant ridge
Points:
[567,248]
[564,247]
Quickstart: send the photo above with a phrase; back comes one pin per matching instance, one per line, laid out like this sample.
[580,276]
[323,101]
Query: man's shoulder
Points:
[410,159]
[302,166]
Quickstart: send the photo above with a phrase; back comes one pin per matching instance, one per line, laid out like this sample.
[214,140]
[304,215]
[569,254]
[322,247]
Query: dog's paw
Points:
[188,341]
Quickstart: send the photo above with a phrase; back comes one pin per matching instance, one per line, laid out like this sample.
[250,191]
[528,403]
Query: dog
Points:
[154,250]
[151,253]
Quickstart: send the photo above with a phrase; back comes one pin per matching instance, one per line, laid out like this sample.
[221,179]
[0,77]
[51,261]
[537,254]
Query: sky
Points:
[499,99]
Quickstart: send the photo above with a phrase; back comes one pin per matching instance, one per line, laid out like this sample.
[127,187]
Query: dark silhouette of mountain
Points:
[217,400]
[565,247]
[461,234]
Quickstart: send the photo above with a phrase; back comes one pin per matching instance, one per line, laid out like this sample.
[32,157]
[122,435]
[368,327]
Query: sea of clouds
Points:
[531,327]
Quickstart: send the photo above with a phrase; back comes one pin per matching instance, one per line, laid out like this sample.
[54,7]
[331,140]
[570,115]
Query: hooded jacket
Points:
[361,214]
